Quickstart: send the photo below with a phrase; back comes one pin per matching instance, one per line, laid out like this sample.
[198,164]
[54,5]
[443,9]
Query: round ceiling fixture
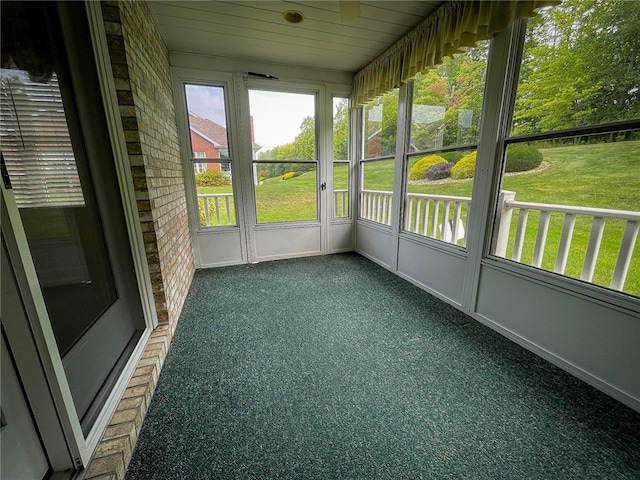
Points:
[293,16]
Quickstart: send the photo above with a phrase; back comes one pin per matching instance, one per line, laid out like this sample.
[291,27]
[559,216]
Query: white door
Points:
[59,160]
[287,179]
[267,167]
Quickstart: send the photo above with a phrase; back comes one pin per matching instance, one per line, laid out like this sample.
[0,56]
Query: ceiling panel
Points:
[256,30]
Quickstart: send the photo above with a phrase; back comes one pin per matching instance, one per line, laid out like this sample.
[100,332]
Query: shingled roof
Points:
[214,132]
[210,130]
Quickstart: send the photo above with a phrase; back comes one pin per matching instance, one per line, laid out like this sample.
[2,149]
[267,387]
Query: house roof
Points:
[209,129]
[213,132]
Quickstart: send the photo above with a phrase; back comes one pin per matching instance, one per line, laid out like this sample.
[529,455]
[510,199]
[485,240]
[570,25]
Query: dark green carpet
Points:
[331,367]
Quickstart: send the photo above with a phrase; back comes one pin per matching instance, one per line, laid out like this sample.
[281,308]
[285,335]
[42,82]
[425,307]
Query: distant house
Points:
[209,141]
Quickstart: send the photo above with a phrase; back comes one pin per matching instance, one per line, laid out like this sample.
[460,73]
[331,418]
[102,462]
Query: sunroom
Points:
[486,153]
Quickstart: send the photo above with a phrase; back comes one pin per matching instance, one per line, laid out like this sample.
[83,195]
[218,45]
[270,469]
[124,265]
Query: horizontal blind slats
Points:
[35,143]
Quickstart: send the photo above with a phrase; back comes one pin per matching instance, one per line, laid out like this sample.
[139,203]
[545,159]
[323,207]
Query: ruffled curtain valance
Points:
[455,25]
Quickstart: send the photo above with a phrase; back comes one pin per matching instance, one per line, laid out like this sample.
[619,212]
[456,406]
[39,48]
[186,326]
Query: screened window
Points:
[341,168]
[209,144]
[286,163]
[570,199]
[377,165]
[445,123]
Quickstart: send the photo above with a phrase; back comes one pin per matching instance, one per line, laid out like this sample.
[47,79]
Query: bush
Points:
[439,171]
[465,168]
[522,157]
[212,178]
[289,175]
[419,169]
[452,157]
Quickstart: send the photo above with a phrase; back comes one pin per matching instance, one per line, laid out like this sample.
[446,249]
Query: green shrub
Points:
[452,157]
[465,168]
[212,178]
[522,157]
[289,175]
[419,169]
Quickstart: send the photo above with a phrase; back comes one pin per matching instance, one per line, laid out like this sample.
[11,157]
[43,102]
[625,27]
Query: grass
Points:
[600,175]
[603,175]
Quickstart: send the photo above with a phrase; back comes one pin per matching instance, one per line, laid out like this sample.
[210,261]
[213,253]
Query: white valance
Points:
[454,26]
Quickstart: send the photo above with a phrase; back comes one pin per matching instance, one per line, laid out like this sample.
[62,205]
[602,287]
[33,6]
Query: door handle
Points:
[323,186]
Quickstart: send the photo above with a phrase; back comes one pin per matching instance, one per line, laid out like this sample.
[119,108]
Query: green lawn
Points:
[601,175]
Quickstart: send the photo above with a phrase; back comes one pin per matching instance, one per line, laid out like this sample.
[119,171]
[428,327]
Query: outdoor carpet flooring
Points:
[332,367]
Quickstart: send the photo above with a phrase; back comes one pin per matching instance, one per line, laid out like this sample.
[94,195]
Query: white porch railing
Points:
[341,203]
[442,217]
[422,216]
[508,205]
[376,205]
[216,207]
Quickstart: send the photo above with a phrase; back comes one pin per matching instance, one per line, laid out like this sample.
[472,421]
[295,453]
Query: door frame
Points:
[207,242]
[243,83]
[36,355]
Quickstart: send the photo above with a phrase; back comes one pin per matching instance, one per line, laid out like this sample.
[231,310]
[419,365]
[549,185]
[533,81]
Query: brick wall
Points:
[200,144]
[140,66]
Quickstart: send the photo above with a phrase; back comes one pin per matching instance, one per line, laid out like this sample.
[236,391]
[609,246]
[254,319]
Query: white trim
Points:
[71,452]
[121,160]
[498,99]
[132,219]
[180,78]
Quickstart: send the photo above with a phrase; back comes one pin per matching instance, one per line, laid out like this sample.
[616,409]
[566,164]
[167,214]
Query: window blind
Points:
[35,142]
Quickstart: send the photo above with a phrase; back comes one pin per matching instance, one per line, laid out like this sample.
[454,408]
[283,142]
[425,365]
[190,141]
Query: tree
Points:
[341,130]
[447,101]
[580,66]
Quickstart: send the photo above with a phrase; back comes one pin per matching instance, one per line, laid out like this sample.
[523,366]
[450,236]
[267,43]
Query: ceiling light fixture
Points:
[293,16]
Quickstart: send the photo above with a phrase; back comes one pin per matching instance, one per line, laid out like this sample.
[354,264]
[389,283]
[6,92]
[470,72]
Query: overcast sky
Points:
[276,115]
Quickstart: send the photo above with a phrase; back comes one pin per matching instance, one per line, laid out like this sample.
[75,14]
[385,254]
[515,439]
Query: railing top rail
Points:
[447,198]
[385,192]
[594,212]
[214,195]
[340,190]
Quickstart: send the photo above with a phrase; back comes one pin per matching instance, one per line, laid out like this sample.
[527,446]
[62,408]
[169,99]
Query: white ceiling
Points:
[255,30]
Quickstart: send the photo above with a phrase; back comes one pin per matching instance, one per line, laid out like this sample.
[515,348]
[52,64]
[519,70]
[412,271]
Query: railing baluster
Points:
[520,233]
[380,209]
[408,214]
[445,219]
[541,238]
[226,202]
[363,205]
[207,220]
[504,214]
[434,219]
[624,255]
[216,202]
[592,249]
[343,203]
[417,221]
[425,220]
[456,220]
[565,243]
